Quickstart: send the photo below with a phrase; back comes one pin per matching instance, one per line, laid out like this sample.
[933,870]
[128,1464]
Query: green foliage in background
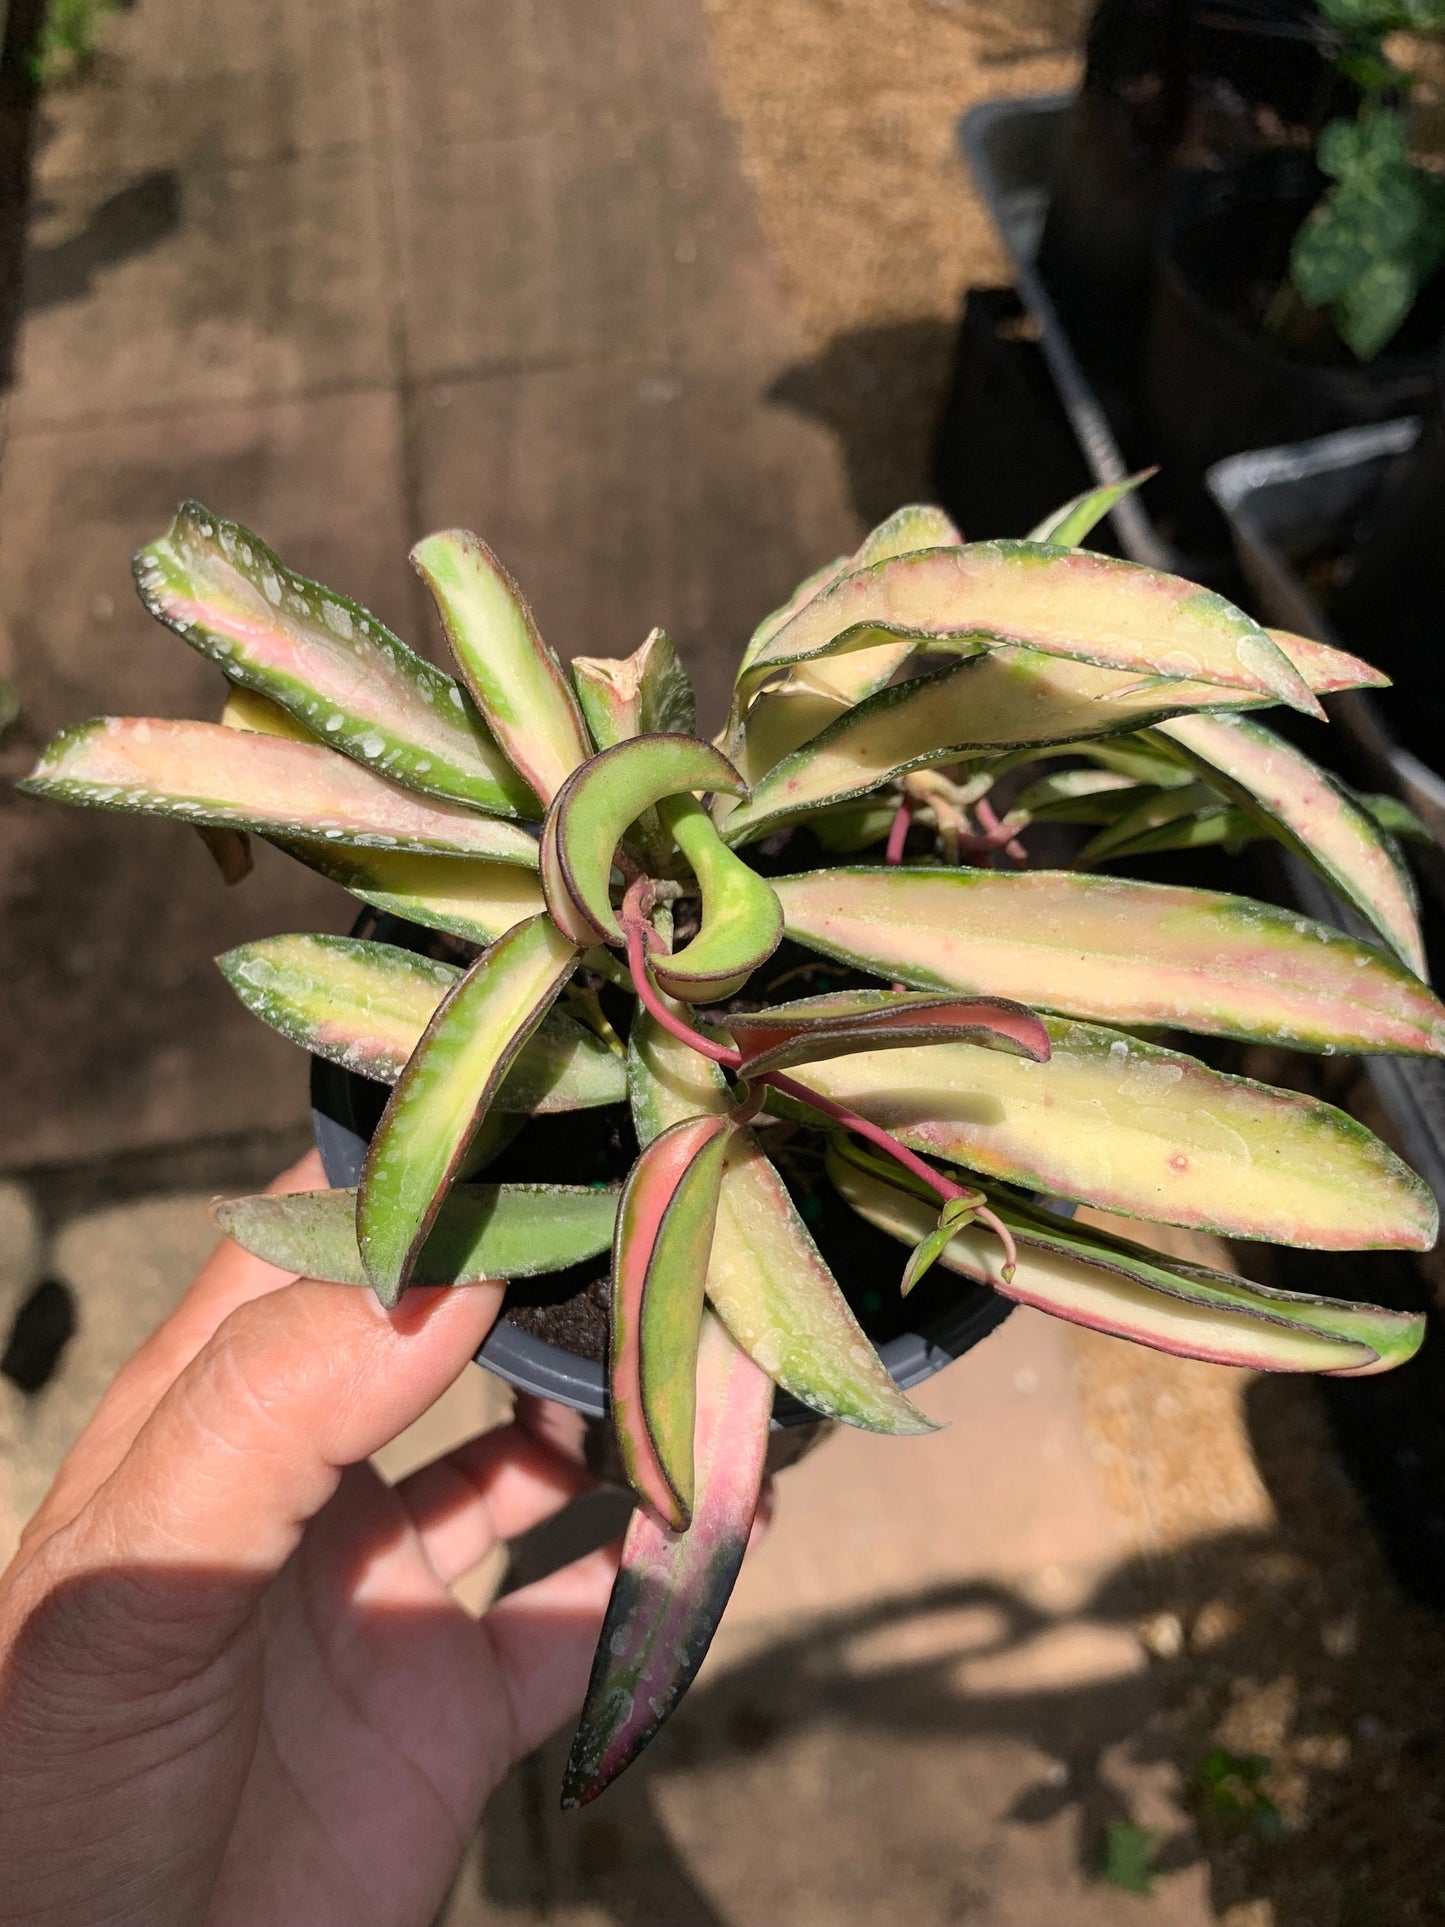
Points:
[1378,233]
[68,37]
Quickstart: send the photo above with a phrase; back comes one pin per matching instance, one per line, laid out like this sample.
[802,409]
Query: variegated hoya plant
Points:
[986,1038]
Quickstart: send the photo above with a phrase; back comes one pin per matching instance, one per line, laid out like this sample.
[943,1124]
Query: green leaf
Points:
[206,773]
[482,1231]
[367,1006]
[1155,809]
[462,895]
[600,800]
[672,1587]
[1080,516]
[514,678]
[1305,808]
[1146,1132]
[644,694]
[324,660]
[956,1213]
[773,1292]
[450,1082]
[1121,952]
[1129,1857]
[1065,602]
[659,1271]
[1110,1284]
[742,922]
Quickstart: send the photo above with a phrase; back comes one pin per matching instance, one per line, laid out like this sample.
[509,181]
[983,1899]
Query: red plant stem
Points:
[642,938]
[988,816]
[898,832]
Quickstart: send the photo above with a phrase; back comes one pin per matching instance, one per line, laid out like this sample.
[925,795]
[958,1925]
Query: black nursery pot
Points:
[944,1318]
[1216,382]
[1163,78]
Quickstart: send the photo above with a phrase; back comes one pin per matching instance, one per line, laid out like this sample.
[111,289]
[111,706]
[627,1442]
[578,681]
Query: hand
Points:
[233,1684]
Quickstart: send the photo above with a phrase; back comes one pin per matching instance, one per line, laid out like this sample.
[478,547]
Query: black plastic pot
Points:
[1166,83]
[343,1113]
[1215,381]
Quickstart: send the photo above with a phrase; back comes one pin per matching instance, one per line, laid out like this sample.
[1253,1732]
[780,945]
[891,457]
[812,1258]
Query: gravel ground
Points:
[1288,1659]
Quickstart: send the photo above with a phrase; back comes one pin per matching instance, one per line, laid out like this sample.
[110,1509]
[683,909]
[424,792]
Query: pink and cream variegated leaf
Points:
[324,660]
[1145,1132]
[1111,1284]
[514,678]
[847,1020]
[1119,952]
[673,1587]
[659,1271]
[206,773]
[1068,602]
[1307,809]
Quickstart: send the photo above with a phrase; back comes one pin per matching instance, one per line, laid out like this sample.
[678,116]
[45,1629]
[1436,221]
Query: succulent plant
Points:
[982,1043]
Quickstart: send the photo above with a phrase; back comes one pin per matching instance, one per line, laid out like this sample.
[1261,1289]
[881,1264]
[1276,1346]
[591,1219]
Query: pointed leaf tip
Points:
[324,660]
[514,678]
[672,1587]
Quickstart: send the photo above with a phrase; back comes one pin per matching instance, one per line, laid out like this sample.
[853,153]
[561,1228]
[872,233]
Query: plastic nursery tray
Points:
[1010,148]
[1293,501]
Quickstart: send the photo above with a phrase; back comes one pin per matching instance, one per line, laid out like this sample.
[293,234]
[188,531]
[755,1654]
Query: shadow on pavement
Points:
[1290,1647]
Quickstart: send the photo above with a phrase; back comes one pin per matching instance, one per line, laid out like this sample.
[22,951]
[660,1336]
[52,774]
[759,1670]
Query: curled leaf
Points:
[600,800]
[742,922]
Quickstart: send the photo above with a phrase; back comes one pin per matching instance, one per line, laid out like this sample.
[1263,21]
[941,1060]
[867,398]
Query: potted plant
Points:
[1296,294]
[620,887]
[1167,85]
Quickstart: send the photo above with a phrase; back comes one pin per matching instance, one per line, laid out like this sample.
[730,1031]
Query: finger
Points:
[229,1277]
[492,1488]
[544,1638]
[249,1442]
